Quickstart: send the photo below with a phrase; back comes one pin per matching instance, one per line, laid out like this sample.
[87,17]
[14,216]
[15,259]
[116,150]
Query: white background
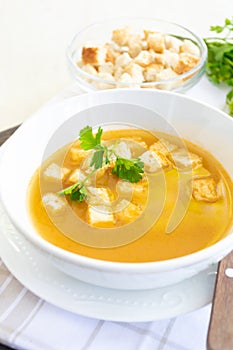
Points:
[34,36]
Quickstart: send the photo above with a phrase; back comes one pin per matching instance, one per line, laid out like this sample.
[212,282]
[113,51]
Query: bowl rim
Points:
[189,260]
[192,72]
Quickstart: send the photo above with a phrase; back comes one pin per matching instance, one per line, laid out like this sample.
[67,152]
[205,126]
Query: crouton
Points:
[122,149]
[166,74]
[53,172]
[94,55]
[150,72]
[88,68]
[189,47]
[136,72]
[170,58]
[124,187]
[77,155]
[113,50]
[140,192]
[100,215]
[54,203]
[163,146]
[172,43]
[134,45]
[144,58]
[158,58]
[127,79]
[185,63]
[204,189]
[123,60]
[156,42]
[99,209]
[107,67]
[127,211]
[154,161]
[183,159]
[147,33]
[74,176]
[121,36]
[99,196]
[104,85]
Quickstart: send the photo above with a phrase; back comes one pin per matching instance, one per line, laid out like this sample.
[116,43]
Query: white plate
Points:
[43,279]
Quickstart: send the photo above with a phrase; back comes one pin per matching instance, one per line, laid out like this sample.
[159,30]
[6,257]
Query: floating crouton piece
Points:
[94,55]
[99,196]
[136,72]
[121,36]
[154,161]
[156,42]
[127,211]
[205,189]
[77,155]
[122,149]
[140,192]
[184,159]
[201,172]
[53,172]
[54,203]
[189,47]
[173,44]
[123,60]
[163,146]
[185,63]
[136,192]
[74,176]
[144,58]
[99,209]
[124,187]
[100,215]
[137,146]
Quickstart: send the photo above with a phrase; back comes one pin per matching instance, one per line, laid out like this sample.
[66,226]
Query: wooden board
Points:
[220,335]
[4,135]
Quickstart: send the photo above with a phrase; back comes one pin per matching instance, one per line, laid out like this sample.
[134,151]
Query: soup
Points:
[192,201]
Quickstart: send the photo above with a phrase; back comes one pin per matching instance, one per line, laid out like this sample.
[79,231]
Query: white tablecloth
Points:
[27,322]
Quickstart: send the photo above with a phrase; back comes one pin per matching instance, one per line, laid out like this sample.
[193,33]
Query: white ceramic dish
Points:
[49,283]
[193,120]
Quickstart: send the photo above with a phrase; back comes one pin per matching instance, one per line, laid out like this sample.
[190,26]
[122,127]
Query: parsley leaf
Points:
[128,169]
[87,139]
[97,158]
[77,192]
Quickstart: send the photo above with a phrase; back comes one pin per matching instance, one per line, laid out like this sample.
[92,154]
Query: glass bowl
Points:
[100,33]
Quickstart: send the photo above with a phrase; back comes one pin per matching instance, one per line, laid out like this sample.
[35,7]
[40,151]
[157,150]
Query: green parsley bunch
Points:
[219,66]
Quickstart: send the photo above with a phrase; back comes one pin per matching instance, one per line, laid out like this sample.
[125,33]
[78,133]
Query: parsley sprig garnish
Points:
[127,169]
[219,66]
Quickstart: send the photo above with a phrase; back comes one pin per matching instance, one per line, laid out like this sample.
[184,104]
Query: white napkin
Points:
[27,322]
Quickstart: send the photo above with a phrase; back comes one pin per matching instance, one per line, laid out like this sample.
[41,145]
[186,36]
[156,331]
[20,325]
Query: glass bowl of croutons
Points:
[136,53]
